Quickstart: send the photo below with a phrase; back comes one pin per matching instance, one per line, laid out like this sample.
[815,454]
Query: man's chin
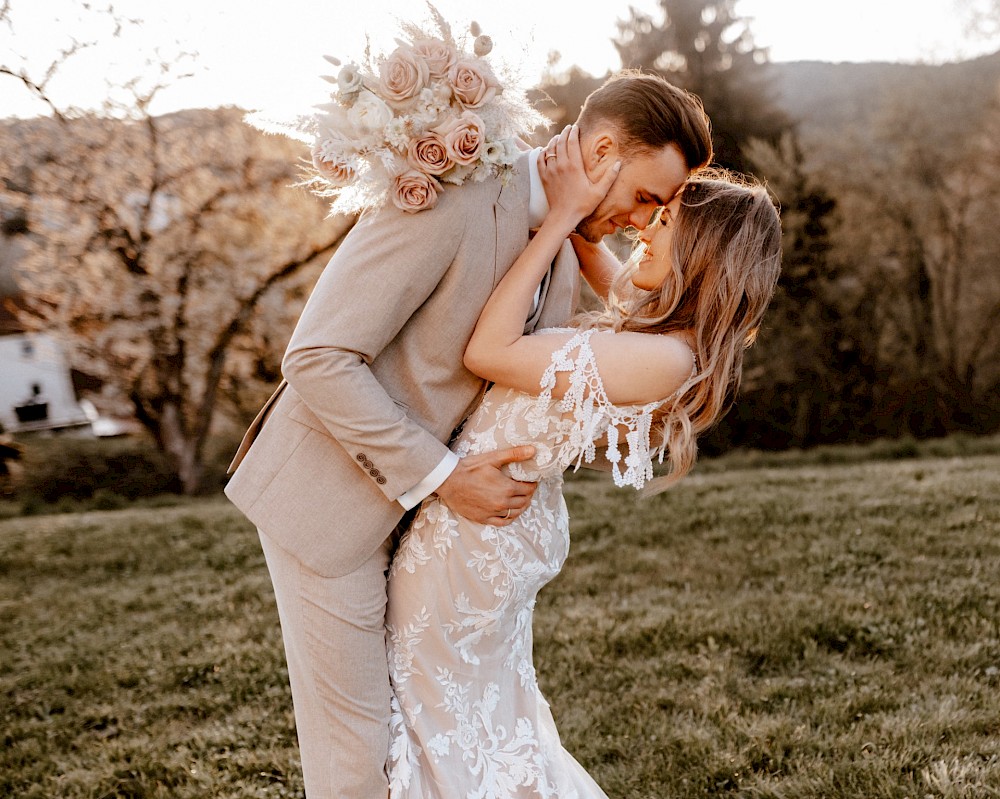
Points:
[590,230]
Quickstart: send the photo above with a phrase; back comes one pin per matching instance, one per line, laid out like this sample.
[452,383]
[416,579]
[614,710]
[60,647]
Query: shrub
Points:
[61,468]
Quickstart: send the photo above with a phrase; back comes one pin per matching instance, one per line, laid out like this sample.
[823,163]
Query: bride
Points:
[644,377]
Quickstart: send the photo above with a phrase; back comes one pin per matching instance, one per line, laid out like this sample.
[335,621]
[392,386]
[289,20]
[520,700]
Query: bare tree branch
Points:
[37,89]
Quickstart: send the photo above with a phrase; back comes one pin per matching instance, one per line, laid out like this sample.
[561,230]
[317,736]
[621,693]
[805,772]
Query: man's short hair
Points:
[650,113]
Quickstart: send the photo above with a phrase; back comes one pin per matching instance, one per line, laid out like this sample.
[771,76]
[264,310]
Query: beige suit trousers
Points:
[334,634]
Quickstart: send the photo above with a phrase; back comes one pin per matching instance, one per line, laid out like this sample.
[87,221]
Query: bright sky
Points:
[267,55]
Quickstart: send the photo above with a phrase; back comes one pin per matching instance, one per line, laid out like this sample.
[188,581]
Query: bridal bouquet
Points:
[431,112]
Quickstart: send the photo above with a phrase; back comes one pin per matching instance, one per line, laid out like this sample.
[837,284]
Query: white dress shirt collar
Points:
[538,204]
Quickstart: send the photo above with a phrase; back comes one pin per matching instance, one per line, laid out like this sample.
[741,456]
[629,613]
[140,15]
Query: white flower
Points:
[439,746]
[457,175]
[466,736]
[502,152]
[431,106]
[442,93]
[388,113]
[426,97]
[397,132]
[349,79]
[436,511]
[491,696]
[523,728]
[335,124]
[369,112]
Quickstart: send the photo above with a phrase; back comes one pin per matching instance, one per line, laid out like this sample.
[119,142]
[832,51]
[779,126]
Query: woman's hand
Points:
[571,195]
[571,192]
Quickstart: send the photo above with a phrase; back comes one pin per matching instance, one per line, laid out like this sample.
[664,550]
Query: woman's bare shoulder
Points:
[637,368]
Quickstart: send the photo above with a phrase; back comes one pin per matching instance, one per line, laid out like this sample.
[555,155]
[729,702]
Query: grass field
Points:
[786,631]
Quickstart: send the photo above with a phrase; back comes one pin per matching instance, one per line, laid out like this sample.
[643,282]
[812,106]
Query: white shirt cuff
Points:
[430,483]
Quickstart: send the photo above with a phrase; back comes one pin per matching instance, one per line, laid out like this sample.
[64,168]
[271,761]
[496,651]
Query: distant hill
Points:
[846,99]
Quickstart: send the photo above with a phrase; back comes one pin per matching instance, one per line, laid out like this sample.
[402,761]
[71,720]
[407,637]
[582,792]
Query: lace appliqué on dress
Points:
[467,718]
[594,415]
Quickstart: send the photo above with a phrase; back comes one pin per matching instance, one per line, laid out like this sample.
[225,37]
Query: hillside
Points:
[847,99]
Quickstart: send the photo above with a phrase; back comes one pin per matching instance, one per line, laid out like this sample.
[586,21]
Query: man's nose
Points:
[639,218]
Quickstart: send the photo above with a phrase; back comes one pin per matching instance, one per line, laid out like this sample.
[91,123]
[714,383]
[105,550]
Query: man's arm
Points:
[598,265]
[385,269]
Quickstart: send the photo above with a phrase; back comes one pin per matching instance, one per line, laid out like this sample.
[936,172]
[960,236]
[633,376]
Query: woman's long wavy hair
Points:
[726,261]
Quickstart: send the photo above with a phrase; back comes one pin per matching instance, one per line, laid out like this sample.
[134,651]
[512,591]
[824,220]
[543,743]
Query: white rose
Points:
[369,112]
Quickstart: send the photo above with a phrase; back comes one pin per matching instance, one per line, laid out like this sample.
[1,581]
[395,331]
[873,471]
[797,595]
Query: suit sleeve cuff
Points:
[430,483]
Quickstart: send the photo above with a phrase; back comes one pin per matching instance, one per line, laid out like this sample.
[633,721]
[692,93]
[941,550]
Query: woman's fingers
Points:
[610,174]
[562,142]
[565,177]
[556,147]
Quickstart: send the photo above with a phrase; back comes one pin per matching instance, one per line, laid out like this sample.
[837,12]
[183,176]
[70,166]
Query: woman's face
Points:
[658,237]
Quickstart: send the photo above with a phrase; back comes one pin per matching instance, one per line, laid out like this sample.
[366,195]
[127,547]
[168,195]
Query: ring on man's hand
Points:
[548,156]
[507,514]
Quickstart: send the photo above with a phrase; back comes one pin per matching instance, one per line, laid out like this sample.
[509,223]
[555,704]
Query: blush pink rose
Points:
[414,191]
[429,154]
[439,56]
[473,83]
[464,137]
[334,168]
[403,74]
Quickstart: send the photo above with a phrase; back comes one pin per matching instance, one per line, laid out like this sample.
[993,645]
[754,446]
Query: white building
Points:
[36,389]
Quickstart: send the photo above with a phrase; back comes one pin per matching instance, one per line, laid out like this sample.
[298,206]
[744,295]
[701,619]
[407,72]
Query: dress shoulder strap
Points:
[594,415]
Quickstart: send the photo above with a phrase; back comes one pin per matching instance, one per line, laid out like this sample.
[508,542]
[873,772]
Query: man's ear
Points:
[604,147]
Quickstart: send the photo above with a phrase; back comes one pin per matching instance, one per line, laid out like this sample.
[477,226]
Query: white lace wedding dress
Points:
[468,720]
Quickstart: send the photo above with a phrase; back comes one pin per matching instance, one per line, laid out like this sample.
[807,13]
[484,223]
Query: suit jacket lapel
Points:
[543,290]
[559,293]
[561,290]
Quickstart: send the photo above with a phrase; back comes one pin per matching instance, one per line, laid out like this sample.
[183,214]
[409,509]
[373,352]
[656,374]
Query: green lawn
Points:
[791,631]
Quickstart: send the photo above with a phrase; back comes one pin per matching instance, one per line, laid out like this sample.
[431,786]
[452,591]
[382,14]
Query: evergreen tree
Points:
[810,376]
[704,47]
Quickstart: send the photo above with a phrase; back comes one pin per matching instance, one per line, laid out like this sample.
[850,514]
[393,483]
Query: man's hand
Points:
[478,490]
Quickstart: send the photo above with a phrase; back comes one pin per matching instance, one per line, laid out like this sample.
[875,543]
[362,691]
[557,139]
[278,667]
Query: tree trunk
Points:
[183,450]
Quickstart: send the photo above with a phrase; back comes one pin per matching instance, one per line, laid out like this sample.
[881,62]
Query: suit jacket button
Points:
[380,480]
[362,457]
[367,464]
[374,472]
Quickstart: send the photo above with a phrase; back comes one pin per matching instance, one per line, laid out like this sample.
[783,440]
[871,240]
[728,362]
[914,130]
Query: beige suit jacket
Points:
[374,382]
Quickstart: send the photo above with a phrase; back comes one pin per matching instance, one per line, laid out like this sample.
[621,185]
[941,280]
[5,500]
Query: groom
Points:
[375,387]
